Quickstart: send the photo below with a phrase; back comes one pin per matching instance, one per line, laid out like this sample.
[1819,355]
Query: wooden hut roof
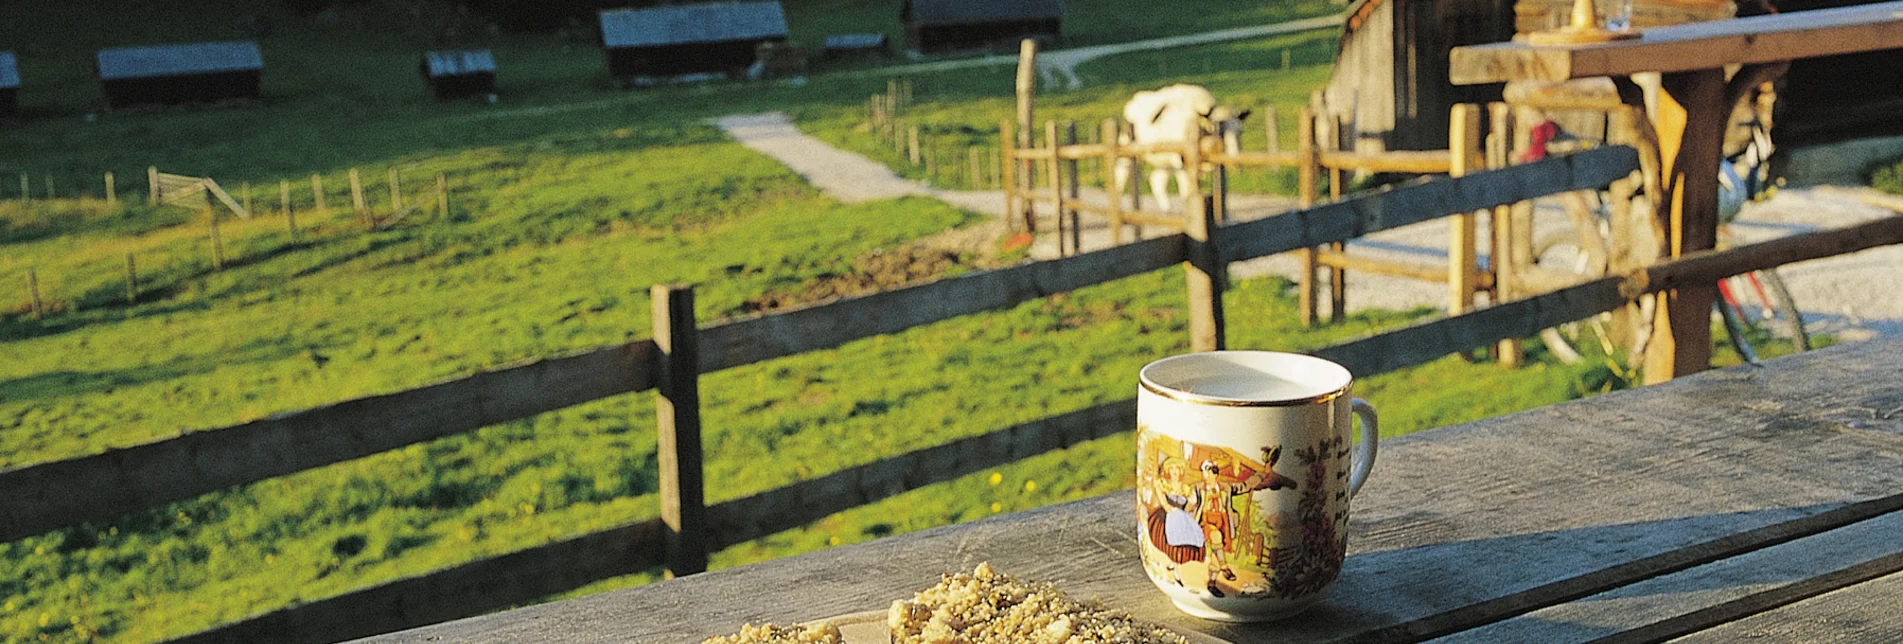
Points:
[179,60]
[694,23]
[457,63]
[9,71]
[854,41]
[973,11]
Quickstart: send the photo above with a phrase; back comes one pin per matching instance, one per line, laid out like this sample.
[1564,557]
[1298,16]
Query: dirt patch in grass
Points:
[943,255]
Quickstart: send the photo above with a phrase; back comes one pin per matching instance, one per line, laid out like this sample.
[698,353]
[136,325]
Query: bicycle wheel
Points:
[1777,311]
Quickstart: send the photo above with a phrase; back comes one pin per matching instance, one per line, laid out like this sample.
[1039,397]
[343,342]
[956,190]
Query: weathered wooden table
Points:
[1752,500]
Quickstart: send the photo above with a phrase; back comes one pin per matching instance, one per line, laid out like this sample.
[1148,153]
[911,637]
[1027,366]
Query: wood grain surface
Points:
[1458,527]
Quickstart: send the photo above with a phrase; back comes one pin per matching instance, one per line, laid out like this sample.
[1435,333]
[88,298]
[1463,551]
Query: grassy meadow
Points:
[568,200]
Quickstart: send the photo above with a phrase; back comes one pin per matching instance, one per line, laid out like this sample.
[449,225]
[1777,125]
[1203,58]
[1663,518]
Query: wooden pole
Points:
[356,195]
[1308,173]
[1076,191]
[26,187]
[152,185]
[284,206]
[396,193]
[49,187]
[677,406]
[1285,59]
[1026,85]
[1463,139]
[1204,268]
[1337,276]
[317,196]
[217,244]
[442,196]
[246,188]
[931,163]
[1109,136]
[975,171]
[1054,172]
[33,294]
[1274,128]
[1007,176]
[1690,119]
[911,146]
[1501,261]
[112,195]
[132,281]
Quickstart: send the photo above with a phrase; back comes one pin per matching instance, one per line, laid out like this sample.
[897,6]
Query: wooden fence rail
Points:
[544,570]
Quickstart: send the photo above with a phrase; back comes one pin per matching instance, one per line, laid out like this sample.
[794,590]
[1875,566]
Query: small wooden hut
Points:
[950,25]
[676,40]
[1390,87]
[460,74]
[9,85]
[186,73]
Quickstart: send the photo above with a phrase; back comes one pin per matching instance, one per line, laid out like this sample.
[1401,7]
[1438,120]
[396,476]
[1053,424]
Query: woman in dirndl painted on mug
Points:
[1173,528]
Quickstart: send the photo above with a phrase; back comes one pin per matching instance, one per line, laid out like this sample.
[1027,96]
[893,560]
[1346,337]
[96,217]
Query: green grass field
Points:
[568,201]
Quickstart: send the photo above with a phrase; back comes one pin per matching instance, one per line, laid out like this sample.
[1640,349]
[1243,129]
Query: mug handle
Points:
[1364,451]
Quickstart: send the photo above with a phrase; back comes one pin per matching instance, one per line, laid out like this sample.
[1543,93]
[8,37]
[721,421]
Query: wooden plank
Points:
[1704,45]
[465,590]
[1424,200]
[1574,499]
[216,191]
[1402,161]
[1862,614]
[99,487]
[1272,159]
[1463,261]
[1704,596]
[677,422]
[784,508]
[831,324]
[1709,267]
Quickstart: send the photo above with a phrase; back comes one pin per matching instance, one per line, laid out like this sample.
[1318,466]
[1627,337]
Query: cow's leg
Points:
[1159,187]
[1120,180]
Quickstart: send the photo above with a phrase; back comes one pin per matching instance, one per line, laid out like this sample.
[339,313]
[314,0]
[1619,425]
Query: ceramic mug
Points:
[1243,479]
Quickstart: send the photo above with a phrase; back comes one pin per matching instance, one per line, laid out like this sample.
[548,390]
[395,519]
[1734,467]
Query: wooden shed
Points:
[861,45]
[186,73]
[460,74]
[687,39]
[950,25]
[1390,87]
[9,85]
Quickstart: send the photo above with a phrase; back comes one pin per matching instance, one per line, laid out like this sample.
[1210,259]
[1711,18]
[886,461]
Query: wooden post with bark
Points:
[1500,223]
[1690,149]
[33,294]
[284,206]
[677,381]
[1114,201]
[1308,173]
[1073,213]
[1463,138]
[1026,85]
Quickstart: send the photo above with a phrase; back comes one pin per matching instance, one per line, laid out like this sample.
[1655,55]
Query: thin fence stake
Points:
[317,196]
[33,294]
[245,187]
[132,281]
[975,176]
[26,188]
[912,151]
[284,205]
[442,196]
[1076,191]
[1115,201]
[49,187]
[217,244]
[112,196]
[152,185]
[1274,129]
[396,193]
[356,195]
[677,406]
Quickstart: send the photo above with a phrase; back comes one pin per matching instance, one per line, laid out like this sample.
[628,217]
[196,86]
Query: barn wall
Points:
[675,60]
[980,35]
[1390,82]
[1362,90]
[176,90]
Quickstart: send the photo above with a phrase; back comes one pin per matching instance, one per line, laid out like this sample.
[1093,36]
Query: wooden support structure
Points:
[1273,125]
[1308,171]
[132,281]
[1500,260]
[396,192]
[1026,84]
[33,294]
[357,203]
[1008,176]
[677,409]
[1114,202]
[1337,276]
[1463,137]
[1053,173]
[217,243]
[1691,148]
[112,194]
[1076,192]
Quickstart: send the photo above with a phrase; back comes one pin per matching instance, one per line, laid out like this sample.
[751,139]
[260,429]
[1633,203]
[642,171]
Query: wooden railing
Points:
[94,488]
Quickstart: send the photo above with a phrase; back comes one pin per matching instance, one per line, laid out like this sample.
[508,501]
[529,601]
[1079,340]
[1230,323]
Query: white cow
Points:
[1168,115]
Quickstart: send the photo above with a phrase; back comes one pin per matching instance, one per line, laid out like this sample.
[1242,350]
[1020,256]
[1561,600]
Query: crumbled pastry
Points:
[988,607]
[770,634]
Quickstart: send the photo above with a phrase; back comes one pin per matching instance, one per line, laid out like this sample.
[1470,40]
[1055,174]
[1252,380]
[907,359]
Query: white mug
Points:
[1243,479]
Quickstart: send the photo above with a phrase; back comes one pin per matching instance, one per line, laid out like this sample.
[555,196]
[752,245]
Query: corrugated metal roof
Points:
[855,41]
[179,60]
[456,63]
[9,70]
[692,23]
[968,11]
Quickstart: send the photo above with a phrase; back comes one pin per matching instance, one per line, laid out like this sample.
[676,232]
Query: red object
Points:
[1014,242]
[1541,133]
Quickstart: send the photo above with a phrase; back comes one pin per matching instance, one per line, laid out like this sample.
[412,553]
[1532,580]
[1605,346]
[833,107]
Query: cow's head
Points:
[1221,121]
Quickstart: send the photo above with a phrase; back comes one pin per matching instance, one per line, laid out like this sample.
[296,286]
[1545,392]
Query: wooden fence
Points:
[96,488]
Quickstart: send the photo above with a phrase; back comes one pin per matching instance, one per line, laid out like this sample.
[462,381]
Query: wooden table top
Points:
[1694,46]
[1747,501]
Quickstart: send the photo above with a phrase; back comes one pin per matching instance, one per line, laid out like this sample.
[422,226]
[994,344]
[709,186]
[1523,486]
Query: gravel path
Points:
[1854,297]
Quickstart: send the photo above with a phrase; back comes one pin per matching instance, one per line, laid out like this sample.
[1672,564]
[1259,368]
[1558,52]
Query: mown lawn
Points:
[568,201]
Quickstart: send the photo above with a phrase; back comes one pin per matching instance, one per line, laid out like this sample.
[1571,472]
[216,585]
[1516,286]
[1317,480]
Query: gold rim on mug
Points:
[1192,398]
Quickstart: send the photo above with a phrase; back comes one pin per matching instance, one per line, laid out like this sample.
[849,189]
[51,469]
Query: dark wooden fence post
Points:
[33,294]
[1076,191]
[217,244]
[1113,199]
[1204,267]
[284,205]
[677,380]
[132,281]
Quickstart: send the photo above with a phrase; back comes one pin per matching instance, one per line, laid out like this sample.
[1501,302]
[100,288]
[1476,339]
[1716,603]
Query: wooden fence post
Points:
[1007,176]
[1463,137]
[442,196]
[1691,150]
[911,146]
[317,196]
[284,205]
[1500,222]
[975,172]
[26,187]
[1115,200]
[1285,59]
[931,164]
[217,244]
[396,192]
[49,187]
[1337,274]
[1055,174]
[245,187]
[33,294]
[132,281]
[356,195]
[1076,191]
[1026,86]
[677,381]
[1274,128]
[1204,269]
[112,195]
[152,185]
[1308,173]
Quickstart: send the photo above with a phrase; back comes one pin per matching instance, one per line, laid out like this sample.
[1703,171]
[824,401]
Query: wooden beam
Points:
[1690,118]
[1308,178]
[1689,47]
[1463,262]
[99,487]
[677,422]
